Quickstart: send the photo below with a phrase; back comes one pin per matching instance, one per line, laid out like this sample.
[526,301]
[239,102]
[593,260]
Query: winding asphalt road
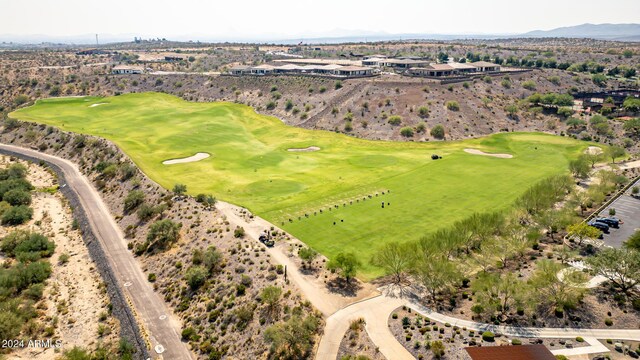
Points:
[161,326]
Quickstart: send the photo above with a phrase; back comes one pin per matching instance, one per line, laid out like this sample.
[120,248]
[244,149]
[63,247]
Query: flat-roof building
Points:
[127,69]
[484,66]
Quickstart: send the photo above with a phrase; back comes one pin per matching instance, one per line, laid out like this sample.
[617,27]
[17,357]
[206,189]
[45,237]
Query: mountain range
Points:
[618,32]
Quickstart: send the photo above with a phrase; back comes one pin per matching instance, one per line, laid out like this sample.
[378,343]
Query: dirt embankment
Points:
[75,294]
[245,268]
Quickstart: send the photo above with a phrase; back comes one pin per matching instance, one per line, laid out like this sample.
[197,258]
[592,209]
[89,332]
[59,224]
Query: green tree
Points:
[550,291]
[435,273]
[632,127]
[292,339]
[271,299]
[163,233]
[212,259]
[620,266]
[500,293]
[17,197]
[634,241]
[631,104]
[346,264]
[579,167]
[575,123]
[615,152]
[179,189]
[581,231]
[196,276]
[599,79]
[511,109]
[17,215]
[395,258]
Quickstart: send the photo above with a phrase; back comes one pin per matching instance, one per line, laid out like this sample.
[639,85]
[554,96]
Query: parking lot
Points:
[627,210]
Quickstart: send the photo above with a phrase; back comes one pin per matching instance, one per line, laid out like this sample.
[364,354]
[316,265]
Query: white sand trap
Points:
[307,149]
[94,105]
[593,150]
[194,158]
[479,152]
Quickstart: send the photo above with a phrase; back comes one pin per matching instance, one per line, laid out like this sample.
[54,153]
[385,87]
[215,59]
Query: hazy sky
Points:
[295,18]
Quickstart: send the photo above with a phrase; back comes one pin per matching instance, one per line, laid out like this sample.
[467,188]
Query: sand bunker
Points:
[94,105]
[478,152]
[593,150]
[307,149]
[197,157]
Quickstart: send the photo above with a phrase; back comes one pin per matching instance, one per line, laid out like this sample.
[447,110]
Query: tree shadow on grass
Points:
[341,286]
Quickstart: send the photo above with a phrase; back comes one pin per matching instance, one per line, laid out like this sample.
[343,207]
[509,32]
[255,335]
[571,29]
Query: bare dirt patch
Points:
[307,149]
[593,150]
[479,152]
[197,157]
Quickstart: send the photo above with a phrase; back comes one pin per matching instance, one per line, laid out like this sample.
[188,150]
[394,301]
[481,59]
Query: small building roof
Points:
[264,66]
[484,64]
[354,68]
[240,67]
[331,67]
[517,352]
[457,65]
[288,67]
[128,67]
[441,67]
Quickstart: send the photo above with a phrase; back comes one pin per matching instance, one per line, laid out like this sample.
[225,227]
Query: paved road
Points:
[375,312]
[628,210]
[152,313]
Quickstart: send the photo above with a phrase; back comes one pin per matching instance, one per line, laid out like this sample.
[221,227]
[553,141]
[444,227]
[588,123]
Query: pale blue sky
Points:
[295,18]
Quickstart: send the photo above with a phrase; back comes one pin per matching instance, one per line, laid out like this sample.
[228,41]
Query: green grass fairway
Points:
[250,166]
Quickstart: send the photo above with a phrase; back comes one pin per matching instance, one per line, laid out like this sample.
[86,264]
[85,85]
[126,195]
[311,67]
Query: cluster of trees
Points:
[551,99]
[205,264]
[294,338]
[161,235]
[22,280]
[15,192]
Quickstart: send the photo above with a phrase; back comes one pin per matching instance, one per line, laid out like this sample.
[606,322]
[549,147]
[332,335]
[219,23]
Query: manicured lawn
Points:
[250,166]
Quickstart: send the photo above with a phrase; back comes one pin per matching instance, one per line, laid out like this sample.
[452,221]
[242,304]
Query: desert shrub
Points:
[438,132]
[488,336]
[163,233]
[516,342]
[529,85]
[238,232]
[453,105]
[134,199]
[17,197]
[394,120]
[406,131]
[196,276]
[17,215]
[423,111]
[271,105]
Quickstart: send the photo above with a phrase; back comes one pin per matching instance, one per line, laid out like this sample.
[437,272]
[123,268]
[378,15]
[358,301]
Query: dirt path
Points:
[161,326]
[326,302]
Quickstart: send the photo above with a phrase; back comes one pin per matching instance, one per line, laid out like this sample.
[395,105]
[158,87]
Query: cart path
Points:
[161,325]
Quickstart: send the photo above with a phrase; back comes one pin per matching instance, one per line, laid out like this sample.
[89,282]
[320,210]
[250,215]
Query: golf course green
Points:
[251,164]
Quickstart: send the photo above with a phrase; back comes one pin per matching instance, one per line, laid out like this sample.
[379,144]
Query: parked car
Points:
[611,221]
[600,226]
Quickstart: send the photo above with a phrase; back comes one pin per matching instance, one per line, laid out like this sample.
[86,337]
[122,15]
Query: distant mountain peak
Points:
[626,32]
